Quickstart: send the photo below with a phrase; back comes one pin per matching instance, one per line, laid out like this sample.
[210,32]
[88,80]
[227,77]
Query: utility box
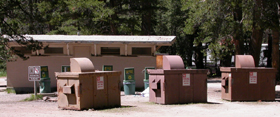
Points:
[175,85]
[85,88]
[245,82]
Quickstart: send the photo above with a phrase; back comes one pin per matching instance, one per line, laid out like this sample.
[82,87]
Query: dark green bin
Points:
[129,87]
[45,85]
[129,81]
[45,82]
[146,77]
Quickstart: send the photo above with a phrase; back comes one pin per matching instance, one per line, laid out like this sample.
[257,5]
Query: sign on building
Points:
[34,73]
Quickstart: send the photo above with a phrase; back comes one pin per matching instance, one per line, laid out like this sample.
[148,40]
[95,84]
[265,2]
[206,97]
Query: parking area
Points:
[11,105]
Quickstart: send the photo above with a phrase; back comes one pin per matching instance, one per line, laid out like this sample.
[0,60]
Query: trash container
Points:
[129,81]
[107,68]
[146,77]
[45,85]
[45,82]
[84,88]
[129,87]
[173,84]
[245,82]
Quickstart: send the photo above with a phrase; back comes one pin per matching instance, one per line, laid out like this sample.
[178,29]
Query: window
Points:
[141,51]
[23,50]
[110,51]
[54,50]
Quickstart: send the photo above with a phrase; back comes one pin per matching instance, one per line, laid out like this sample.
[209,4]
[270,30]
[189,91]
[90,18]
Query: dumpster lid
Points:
[81,65]
[172,62]
[244,61]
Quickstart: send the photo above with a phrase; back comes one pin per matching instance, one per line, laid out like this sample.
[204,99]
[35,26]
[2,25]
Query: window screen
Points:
[110,51]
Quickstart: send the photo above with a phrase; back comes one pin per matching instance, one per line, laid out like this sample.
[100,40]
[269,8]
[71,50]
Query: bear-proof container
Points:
[175,85]
[85,88]
[245,82]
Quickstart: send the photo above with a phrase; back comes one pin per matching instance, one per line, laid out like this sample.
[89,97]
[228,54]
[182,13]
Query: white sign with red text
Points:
[253,78]
[100,82]
[186,79]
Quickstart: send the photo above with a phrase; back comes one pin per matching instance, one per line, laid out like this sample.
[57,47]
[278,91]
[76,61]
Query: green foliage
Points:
[33,97]
[10,90]
[3,73]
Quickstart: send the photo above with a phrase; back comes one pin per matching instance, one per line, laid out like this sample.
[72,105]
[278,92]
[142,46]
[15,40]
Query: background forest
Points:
[221,28]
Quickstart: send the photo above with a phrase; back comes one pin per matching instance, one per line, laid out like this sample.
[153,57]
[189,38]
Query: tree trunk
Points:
[199,56]
[238,32]
[269,51]
[146,25]
[190,51]
[257,34]
[114,17]
[275,48]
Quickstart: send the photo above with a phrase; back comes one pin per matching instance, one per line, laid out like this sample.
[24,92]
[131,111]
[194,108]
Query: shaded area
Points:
[277,94]
[213,80]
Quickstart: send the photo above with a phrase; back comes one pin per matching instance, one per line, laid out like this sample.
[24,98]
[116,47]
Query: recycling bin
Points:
[129,81]
[45,82]
[129,87]
[146,77]
[84,88]
[45,85]
[107,68]
[245,82]
[173,84]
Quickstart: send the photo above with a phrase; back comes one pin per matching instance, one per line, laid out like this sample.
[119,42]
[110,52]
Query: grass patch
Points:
[32,97]
[3,73]
[10,90]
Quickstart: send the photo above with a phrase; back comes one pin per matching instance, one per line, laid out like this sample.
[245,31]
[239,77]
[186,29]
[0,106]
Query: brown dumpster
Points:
[175,85]
[245,82]
[85,88]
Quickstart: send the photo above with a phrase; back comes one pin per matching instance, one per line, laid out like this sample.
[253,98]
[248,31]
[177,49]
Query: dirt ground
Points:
[136,105]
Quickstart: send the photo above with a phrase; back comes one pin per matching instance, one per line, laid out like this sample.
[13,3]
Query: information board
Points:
[34,73]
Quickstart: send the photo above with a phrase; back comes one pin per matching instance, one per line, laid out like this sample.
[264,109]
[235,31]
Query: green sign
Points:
[107,68]
[44,72]
[129,74]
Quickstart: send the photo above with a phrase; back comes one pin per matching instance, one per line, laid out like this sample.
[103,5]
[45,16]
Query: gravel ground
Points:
[135,105]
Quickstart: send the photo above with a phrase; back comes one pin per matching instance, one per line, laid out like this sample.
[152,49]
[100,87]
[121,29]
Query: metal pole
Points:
[35,89]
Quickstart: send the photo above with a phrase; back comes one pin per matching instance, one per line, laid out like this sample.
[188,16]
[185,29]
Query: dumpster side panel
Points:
[253,89]
[61,97]
[226,89]
[152,91]
[114,99]
[199,87]
[267,80]
[85,90]
[74,99]
[100,93]
[186,92]
[239,86]
[161,91]
[172,90]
